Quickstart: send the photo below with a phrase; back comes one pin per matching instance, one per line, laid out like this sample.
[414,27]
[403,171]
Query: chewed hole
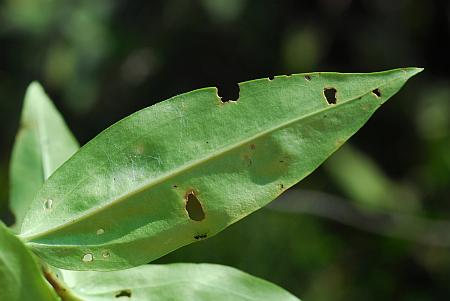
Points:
[308,77]
[228,92]
[48,204]
[88,257]
[330,95]
[124,293]
[194,207]
[377,92]
[105,254]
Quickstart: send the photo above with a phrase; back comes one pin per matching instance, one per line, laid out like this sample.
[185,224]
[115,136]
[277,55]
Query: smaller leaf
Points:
[362,180]
[175,282]
[20,277]
[42,144]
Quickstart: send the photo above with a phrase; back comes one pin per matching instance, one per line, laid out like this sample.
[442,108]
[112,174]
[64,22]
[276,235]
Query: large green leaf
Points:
[188,167]
[200,282]
[20,277]
[174,282]
[42,144]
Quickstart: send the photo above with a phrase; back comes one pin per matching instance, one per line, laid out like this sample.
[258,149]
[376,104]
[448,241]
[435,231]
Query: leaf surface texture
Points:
[184,169]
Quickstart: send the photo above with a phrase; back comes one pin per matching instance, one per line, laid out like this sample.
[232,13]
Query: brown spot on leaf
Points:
[339,142]
[247,159]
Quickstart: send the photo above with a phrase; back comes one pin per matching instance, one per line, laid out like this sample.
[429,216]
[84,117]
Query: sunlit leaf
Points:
[187,281]
[42,144]
[186,168]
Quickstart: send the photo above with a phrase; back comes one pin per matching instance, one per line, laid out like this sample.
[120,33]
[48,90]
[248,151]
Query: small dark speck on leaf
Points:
[124,293]
[281,186]
[377,92]
[194,207]
[200,236]
[330,95]
[252,146]
[174,186]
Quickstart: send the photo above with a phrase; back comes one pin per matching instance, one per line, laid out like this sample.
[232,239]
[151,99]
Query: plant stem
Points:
[60,287]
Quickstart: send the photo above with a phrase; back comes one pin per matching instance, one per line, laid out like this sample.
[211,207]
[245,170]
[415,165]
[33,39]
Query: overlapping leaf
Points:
[20,276]
[42,144]
[188,167]
[175,282]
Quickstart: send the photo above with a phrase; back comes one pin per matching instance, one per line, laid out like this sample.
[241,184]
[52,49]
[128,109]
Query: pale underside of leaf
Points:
[121,199]
[174,282]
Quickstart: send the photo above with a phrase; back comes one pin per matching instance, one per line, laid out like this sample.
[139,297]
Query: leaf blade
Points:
[42,144]
[20,275]
[84,283]
[130,183]
[182,281]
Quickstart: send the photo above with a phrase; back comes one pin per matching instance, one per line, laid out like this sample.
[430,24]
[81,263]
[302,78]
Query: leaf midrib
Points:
[193,164]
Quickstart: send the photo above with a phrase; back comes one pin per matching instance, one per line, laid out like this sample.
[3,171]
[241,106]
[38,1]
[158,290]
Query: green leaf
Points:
[42,144]
[186,168]
[152,281]
[175,282]
[365,183]
[20,277]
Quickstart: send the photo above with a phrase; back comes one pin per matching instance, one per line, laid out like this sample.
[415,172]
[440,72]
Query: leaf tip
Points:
[35,86]
[411,71]
[35,91]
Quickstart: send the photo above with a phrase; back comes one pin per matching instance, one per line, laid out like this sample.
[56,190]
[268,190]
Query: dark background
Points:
[381,230]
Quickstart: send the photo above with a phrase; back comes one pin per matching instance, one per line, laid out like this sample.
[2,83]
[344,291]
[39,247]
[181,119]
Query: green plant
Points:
[164,177]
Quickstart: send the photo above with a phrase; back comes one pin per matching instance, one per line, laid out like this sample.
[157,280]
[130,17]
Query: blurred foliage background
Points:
[371,224]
